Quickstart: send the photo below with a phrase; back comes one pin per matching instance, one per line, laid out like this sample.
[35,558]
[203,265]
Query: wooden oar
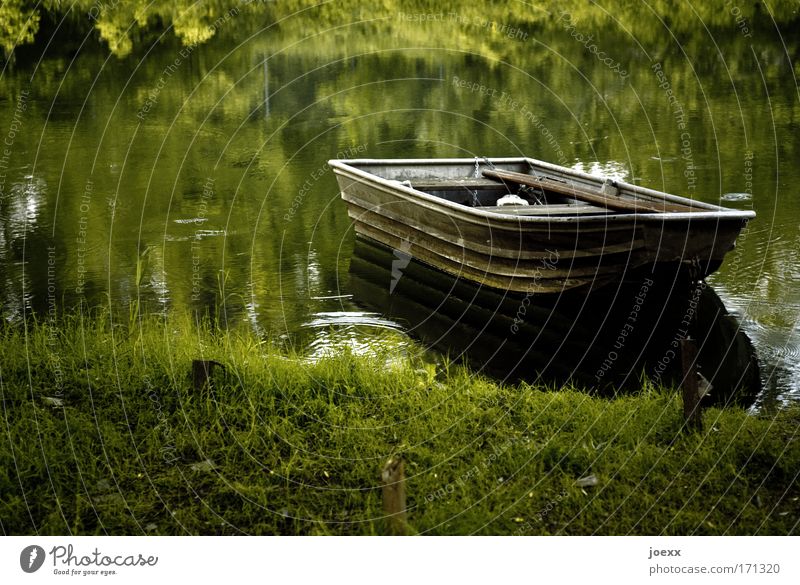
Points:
[586,194]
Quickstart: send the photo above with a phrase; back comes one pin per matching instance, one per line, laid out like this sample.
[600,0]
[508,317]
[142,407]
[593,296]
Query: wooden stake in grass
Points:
[201,373]
[692,412]
[394,496]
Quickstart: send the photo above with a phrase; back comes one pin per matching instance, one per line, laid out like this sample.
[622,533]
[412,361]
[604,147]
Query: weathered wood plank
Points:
[507,274]
[446,184]
[585,194]
[394,496]
[545,209]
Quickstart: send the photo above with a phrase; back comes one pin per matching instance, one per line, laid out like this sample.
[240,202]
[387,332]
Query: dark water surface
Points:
[193,177]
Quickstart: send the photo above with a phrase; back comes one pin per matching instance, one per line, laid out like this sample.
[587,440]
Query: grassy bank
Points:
[103,433]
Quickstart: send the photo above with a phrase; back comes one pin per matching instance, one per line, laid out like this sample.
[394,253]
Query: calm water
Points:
[194,177]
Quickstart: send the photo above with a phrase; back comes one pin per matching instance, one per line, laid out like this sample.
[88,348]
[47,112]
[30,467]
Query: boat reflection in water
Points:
[604,340]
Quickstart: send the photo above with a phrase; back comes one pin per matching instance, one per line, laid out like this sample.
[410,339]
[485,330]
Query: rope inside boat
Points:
[476,174]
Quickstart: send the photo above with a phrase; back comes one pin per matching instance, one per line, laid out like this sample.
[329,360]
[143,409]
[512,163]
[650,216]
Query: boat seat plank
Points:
[588,194]
[545,209]
[445,184]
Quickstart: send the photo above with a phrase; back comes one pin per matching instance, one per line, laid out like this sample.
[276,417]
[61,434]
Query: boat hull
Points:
[546,253]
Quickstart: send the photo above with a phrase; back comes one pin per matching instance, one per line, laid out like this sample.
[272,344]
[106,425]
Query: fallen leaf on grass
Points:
[206,465]
[588,481]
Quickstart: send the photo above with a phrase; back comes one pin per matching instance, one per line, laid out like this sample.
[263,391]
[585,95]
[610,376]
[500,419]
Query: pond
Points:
[183,166]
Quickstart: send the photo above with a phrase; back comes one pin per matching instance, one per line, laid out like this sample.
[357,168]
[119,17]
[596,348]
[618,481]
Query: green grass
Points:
[285,446]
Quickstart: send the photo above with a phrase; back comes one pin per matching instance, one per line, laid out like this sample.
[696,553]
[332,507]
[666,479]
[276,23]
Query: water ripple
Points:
[350,318]
[737,197]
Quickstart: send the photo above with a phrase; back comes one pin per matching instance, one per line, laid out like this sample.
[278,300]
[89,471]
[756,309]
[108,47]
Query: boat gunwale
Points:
[714,213]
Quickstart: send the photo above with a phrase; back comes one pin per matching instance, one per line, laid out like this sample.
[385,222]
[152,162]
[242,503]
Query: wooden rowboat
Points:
[562,230]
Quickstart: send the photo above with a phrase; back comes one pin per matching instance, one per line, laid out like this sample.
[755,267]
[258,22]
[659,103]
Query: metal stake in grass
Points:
[394,496]
[692,413]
